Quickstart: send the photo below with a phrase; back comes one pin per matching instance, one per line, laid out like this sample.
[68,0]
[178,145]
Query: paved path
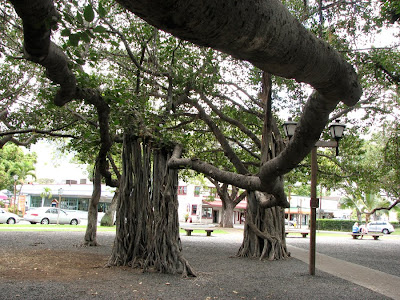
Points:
[385,284]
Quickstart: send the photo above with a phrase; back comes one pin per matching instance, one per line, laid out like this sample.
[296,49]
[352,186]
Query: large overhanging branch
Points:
[395,203]
[247,182]
[262,32]
[312,122]
[38,17]
[238,180]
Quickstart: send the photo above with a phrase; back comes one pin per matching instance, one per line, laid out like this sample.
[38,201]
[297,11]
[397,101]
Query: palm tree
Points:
[363,203]
[46,194]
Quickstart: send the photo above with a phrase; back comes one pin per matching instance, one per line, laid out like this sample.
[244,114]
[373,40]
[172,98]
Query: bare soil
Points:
[53,265]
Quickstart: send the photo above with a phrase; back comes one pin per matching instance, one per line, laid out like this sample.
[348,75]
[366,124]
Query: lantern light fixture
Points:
[289,127]
[336,130]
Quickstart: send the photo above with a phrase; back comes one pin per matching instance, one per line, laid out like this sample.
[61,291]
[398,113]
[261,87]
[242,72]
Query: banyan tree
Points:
[147,213]
[262,32]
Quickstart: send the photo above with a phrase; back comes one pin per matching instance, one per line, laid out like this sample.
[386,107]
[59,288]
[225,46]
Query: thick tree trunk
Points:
[147,218]
[264,235]
[227,214]
[91,229]
[108,218]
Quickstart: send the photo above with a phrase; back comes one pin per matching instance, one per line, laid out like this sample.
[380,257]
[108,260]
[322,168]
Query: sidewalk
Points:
[377,281]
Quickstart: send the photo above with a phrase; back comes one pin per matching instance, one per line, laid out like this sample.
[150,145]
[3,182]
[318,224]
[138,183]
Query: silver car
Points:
[7,217]
[50,215]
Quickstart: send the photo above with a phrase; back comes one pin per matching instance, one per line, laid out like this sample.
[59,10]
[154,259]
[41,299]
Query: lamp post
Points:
[336,130]
[60,191]
[15,189]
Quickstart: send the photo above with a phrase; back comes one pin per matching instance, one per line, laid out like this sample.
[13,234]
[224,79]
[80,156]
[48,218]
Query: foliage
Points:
[13,162]
[46,193]
[334,225]
[106,221]
[390,10]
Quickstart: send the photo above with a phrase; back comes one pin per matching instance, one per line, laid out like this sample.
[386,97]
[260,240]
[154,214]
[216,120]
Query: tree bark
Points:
[264,234]
[262,32]
[91,228]
[264,231]
[108,218]
[147,218]
[227,214]
[255,30]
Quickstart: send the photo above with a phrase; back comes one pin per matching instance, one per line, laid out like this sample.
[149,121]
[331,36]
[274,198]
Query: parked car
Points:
[7,217]
[289,223]
[49,215]
[379,226]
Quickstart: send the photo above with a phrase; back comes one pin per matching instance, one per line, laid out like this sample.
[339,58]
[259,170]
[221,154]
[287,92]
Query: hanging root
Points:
[187,269]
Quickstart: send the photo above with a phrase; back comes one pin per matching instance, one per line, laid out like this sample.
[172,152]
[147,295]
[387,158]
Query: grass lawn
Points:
[40,227]
[53,227]
[395,234]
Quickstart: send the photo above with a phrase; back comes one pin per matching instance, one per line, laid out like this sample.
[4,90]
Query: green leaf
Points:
[99,29]
[85,37]
[102,11]
[74,39]
[88,13]
[79,18]
[114,43]
[66,32]
[80,62]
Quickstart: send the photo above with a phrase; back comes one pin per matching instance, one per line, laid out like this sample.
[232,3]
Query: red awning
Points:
[218,203]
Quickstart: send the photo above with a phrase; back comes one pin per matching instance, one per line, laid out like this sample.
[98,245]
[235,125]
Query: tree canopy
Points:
[13,162]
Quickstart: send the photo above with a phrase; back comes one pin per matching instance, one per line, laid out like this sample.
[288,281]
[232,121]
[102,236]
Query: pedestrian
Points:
[356,229]
[364,230]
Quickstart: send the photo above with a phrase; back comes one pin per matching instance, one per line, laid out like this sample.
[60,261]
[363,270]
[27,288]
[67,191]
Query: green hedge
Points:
[341,225]
[335,225]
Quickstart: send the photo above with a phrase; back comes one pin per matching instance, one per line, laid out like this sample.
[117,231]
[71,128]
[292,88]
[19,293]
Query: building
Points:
[299,210]
[201,204]
[197,204]
[73,196]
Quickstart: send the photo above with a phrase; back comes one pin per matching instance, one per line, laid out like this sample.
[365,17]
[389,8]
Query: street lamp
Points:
[289,127]
[15,189]
[60,191]
[336,130]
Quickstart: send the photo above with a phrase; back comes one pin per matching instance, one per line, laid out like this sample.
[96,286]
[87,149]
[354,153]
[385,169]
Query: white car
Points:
[7,217]
[289,223]
[50,215]
[379,226]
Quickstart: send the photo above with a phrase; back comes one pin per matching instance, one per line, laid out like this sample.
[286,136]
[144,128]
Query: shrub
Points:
[13,209]
[335,225]
[106,221]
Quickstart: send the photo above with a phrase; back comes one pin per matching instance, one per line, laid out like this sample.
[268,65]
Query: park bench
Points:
[189,230]
[303,233]
[375,235]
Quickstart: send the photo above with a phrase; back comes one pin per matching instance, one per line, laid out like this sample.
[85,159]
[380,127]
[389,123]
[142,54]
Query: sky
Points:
[55,165]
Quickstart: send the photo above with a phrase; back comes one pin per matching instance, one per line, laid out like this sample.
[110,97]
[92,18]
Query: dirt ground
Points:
[53,265]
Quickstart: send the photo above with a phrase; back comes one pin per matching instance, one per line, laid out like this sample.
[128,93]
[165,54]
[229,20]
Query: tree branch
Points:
[238,180]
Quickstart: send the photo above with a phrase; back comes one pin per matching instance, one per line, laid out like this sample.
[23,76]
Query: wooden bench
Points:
[375,235]
[189,230]
[303,233]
